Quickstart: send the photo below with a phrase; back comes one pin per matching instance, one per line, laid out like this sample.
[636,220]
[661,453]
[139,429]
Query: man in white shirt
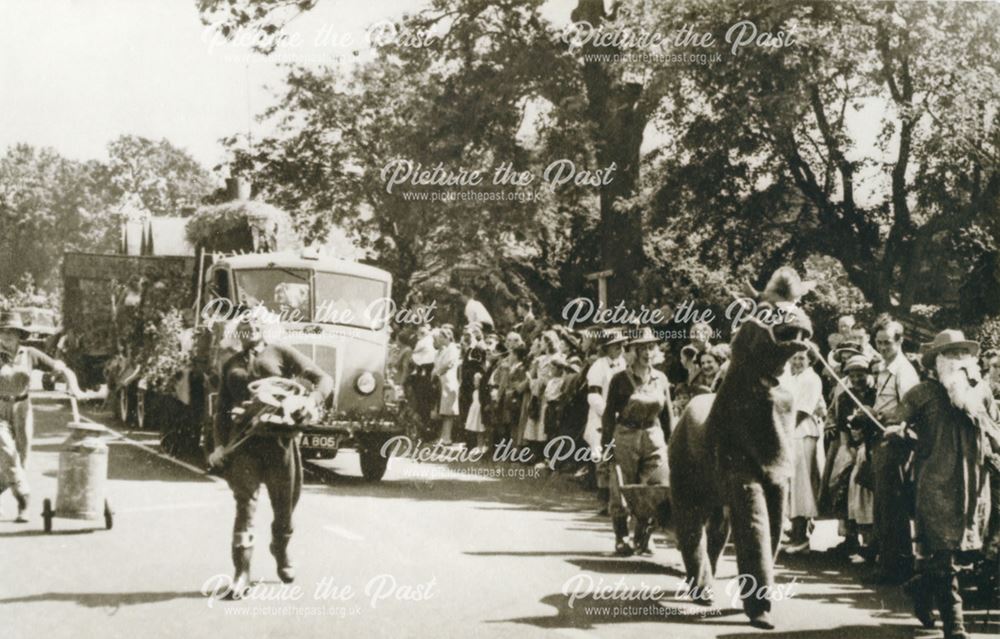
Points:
[892,522]
[599,377]
[475,312]
[421,380]
[610,362]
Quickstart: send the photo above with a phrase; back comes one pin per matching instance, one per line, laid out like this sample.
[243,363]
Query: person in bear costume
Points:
[733,449]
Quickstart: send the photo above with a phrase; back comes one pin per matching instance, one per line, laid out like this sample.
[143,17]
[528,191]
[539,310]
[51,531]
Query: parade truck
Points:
[163,326]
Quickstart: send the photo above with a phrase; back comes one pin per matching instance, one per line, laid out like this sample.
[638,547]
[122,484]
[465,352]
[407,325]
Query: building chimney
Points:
[238,189]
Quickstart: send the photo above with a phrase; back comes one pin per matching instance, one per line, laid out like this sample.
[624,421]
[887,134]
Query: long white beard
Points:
[964,382]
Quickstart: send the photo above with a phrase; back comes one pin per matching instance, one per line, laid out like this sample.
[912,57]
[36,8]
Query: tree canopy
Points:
[50,204]
[863,132]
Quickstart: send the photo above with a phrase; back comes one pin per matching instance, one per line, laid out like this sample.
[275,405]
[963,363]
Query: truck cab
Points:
[333,311]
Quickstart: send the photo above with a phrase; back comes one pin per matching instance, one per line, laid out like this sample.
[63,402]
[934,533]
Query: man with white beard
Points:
[946,417]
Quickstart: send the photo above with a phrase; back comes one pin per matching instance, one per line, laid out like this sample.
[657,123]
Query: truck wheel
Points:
[180,431]
[373,464]
[121,405]
[140,409]
[47,514]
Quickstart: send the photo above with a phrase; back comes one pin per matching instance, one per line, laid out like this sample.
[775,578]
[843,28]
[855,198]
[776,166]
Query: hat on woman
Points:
[646,336]
[848,348]
[857,363]
[572,363]
[611,337]
[721,352]
[552,338]
[946,339]
[11,321]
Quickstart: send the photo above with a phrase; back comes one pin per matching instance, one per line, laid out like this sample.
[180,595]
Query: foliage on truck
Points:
[241,226]
[109,301]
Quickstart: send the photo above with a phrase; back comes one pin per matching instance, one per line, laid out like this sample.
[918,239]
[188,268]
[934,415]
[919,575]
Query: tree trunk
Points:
[618,126]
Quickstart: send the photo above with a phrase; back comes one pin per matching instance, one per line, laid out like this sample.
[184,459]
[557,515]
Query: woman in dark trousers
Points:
[638,419]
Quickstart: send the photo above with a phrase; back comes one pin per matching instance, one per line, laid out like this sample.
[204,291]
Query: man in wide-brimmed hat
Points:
[948,415]
[16,417]
[637,419]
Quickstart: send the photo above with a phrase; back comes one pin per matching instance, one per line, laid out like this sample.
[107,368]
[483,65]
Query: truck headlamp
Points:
[365,383]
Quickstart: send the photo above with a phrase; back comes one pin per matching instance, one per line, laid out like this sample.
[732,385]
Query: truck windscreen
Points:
[351,300]
[283,291]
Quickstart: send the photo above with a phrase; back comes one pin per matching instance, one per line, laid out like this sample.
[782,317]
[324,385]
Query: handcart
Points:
[83,475]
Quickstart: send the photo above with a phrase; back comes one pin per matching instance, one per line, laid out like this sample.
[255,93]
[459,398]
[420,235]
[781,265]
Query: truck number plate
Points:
[320,441]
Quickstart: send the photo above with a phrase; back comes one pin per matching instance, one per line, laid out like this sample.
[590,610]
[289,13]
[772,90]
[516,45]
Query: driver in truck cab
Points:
[274,460]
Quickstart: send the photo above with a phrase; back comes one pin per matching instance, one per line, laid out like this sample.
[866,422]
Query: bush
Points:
[168,351]
[25,293]
[987,333]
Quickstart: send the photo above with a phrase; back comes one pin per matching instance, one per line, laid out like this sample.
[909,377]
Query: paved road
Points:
[432,551]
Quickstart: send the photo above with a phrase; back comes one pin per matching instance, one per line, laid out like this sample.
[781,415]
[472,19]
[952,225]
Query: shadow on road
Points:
[585,613]
[887,605]
[104,599]
[126,462]
[615,565]
[884,631]
[500,485]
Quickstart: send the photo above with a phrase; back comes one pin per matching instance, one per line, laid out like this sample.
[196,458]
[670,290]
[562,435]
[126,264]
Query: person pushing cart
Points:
[16,417]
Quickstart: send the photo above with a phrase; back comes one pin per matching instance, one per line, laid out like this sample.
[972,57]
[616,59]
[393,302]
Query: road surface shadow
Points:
[587,612]
[536,553]
[882,631]
[843,582]
[128,463]
[39,533]
[617,565]
[501,485]
[104,599]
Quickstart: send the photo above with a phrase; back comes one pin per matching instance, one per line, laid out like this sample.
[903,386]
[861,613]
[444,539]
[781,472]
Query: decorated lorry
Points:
[162,326]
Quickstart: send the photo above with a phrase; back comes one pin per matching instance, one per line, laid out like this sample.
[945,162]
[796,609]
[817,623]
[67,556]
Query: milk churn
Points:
[83,474]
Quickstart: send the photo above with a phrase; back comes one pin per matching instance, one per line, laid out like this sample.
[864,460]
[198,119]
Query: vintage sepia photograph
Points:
[512,319]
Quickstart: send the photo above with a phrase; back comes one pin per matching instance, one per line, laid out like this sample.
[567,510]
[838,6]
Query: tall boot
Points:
[643,538]
[242,553]
[622,546]
[22,507]
[949,604]
[603,494]
[279,548]
[920,591]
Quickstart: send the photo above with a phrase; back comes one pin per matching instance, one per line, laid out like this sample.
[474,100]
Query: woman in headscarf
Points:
[543,369]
